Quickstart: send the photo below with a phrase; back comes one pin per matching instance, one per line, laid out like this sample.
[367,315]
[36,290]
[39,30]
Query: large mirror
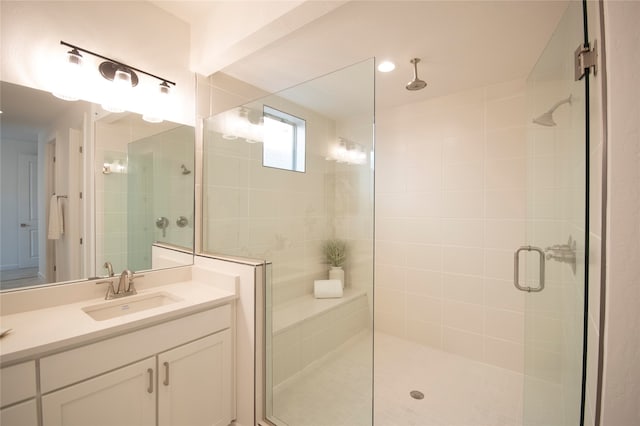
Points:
[84,190]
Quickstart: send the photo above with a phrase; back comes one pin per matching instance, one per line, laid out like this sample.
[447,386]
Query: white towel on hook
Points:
[56,221]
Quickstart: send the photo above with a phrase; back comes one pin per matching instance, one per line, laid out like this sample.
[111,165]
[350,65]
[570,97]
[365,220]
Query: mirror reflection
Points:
[82,187]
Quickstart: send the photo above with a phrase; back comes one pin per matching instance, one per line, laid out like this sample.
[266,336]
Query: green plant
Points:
[335,251]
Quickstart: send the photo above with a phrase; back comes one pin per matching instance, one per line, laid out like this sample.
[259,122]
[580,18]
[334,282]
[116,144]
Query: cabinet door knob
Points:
[166,373]
[150,388]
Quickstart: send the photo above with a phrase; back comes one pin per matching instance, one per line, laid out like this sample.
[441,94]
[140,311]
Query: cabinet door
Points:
[194,383]
[123,397]
[23,414]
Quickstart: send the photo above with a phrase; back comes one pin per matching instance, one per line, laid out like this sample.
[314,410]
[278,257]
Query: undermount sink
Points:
[129,305]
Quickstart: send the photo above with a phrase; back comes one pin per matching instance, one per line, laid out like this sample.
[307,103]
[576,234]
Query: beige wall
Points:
[450,210]
[621,384]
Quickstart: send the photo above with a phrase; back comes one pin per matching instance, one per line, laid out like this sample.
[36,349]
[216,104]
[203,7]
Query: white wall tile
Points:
[463,260]
[463,288]
[423,308]
[506,325]
[464,316]
[424,282]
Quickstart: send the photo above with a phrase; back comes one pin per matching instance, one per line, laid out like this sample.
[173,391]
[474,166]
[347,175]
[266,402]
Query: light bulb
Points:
[159,101]
[69,80]
[120,90]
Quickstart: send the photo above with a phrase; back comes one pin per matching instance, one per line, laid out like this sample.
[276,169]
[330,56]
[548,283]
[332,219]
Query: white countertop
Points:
[38,332]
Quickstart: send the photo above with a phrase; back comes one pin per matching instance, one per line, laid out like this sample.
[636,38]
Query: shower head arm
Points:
[557,104]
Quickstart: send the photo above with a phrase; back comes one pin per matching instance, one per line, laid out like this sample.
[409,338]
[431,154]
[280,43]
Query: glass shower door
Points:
[551,267]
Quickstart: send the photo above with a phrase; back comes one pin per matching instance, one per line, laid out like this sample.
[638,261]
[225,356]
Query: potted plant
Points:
[335,252]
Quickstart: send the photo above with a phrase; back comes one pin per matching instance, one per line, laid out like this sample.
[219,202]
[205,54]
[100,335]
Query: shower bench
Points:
[307,329]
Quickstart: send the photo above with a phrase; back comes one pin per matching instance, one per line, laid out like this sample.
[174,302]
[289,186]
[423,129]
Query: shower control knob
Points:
[162,223]
[182,222]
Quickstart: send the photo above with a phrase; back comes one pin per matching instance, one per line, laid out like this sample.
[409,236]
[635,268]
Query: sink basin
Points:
[129,305]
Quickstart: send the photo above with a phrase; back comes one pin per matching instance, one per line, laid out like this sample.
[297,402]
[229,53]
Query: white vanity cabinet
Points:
[125,396]
[194,383]
[180,370]
[18,383]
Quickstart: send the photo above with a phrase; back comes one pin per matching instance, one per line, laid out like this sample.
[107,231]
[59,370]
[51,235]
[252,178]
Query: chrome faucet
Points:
[109,267]
[124,285]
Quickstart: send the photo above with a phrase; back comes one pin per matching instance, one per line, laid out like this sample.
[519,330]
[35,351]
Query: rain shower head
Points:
[546,119]
[416,83]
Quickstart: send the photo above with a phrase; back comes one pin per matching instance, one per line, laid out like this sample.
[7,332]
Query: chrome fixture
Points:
[109,267]
[182,222]
[162,223]
[416,394]
[564,253]
[516,269]
[125,285]
[126,279]
[416,83]
[546,119]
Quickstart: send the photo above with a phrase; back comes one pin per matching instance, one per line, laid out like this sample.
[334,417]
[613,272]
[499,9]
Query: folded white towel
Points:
[326,289]
[56,221]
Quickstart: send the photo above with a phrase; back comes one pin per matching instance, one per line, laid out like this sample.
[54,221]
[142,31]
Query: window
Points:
[284,140]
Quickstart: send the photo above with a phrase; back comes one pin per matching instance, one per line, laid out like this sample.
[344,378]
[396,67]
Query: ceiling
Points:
[462,45]
[20,118]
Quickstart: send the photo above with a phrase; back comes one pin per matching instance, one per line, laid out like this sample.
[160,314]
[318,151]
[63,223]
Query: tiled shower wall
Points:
[450,211]
[266,213]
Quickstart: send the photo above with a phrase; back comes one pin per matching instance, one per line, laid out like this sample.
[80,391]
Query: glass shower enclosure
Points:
[286,176]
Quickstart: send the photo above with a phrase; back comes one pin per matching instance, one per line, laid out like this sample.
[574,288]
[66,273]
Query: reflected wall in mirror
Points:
[42,167]
[61,217]
[144,190]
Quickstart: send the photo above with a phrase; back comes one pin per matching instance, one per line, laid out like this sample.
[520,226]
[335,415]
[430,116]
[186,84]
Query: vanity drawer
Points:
[81,363]
[17,383]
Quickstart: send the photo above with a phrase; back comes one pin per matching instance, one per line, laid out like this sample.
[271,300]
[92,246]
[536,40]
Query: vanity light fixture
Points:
[70,76]
[124,78]
[158,103]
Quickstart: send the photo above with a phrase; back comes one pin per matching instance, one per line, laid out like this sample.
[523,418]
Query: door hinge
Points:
[80,149]
[55,268]
[54,159]
[80,241]
[81,195]
[585,59]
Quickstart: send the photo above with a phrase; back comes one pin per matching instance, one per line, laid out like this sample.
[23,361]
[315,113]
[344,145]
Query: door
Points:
[550,267]
[194,383]
[28,211]
[25,413]
[125,396]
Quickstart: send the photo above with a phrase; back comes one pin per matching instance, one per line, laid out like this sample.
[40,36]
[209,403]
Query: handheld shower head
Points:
[416,83]
[546,119]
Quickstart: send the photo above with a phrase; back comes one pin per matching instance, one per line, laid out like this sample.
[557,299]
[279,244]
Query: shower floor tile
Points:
[457,391]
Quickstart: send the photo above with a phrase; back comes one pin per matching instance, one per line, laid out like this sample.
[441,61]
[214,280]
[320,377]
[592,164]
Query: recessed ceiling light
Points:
[386,66]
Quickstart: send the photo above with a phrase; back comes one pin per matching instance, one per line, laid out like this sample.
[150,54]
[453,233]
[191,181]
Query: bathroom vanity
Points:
[167,352]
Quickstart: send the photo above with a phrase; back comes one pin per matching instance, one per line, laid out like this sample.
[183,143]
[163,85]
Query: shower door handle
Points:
[516,269]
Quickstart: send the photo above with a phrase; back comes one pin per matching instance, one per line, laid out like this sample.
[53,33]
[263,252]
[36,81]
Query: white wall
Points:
[621,385]
[134,32]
